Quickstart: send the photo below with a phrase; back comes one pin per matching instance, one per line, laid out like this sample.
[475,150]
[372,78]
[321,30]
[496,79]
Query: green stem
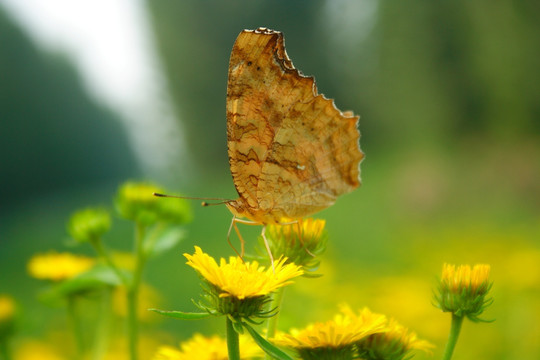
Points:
[4,349]
[98,246]
[455,328]
[233,345]
[102,333]
[133,291]
[76,325]
[271,326]
[277,299]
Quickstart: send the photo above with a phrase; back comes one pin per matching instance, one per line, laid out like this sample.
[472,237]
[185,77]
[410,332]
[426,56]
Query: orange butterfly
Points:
[291,151]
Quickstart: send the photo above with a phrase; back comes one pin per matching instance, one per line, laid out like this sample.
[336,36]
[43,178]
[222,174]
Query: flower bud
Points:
[89,224]
[136,201]
[300,241]
[462,290]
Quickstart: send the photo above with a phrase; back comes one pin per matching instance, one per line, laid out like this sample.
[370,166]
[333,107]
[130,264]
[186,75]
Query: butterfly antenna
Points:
[204,203]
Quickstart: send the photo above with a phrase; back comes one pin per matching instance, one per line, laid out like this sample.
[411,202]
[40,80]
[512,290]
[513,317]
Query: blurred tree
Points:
[454,69]
[52,135]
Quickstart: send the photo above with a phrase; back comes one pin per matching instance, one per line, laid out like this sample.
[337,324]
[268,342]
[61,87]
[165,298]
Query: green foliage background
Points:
[449,98]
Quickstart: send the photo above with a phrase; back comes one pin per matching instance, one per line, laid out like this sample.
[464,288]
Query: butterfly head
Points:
[238,207]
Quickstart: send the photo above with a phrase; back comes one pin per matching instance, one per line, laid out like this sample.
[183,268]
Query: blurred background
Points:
[96,93]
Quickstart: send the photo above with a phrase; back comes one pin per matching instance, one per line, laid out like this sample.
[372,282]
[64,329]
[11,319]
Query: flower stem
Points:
[455,328]
[277,299]
[98,246]
[102,333]
[4,349]
[133,291]
[75,324]
[271,326]
[233,345]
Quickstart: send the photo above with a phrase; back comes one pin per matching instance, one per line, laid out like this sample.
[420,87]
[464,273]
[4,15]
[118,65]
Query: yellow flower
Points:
[343,330]
[302,229]
[58,266]
[407,338]
[7,308]
[300,241]
[166,352]
[8,311]
[393,344]
[462,290]
[33,349]
[200,347]
[463,277]
[242,279]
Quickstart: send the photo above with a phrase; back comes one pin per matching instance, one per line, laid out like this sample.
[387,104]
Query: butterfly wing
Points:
[250,91]
[291,151]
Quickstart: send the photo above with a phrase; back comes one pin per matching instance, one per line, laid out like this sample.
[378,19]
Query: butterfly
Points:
[291,151]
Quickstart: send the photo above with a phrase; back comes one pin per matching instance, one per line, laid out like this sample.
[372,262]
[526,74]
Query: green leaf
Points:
[97,277]
[266,345]
[237,325]
[160,242]
[182,315]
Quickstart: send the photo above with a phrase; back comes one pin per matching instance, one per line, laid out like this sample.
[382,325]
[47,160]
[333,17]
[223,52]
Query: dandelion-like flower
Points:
[200,347]
[242,279]
[300,241]
[462,290]
[240,288]
[58,266]
[393,344]
[333,339]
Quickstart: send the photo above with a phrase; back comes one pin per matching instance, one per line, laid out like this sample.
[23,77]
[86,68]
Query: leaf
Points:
[163,241]
[182,315]
[238,327]
[264,344]
[97,277]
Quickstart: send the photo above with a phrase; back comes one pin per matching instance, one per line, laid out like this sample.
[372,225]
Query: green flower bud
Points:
[300,242]
[136,201]
[89,224]
[462,290]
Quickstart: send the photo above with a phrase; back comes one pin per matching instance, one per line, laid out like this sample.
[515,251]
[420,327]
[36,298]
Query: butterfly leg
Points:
[263,234]
[299,228]
[242,242]
[301,233]
[233,223]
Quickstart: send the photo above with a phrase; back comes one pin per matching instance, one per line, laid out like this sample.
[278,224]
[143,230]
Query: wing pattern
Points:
[291,151]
